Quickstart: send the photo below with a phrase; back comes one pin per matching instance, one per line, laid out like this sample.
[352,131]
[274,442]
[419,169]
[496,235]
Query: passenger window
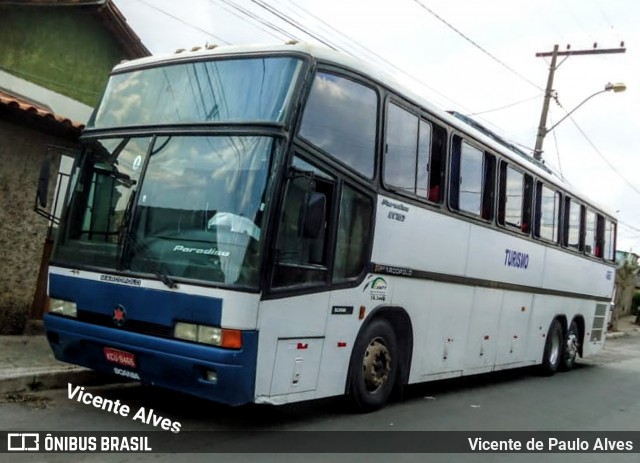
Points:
[547,213]
[609,240]
[471,178]
[414,154]
[591,246]
[301,249]
[435,167]
[340,118]
[354,234]
[572,224]
[424,152]
[515,198]
[401,149]
[472,173]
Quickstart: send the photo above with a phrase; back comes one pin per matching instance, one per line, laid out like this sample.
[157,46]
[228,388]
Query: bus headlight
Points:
[209,335]
[204,334]
[186,331]
[60,307]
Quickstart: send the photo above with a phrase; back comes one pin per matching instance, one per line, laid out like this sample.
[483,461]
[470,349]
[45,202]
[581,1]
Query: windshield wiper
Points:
[127,238]
[166,279]
[161,273]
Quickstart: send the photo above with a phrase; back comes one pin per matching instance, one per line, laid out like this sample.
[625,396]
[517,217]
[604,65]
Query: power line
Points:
[505,106]
[630,227]
[144,2]
[288,20]
[353,42]
[255,18]
[602,156]
[475,44]
[555,140]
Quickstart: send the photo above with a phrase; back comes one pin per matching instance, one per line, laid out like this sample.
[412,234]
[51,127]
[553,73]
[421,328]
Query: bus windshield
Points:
[198,213]
[255,89]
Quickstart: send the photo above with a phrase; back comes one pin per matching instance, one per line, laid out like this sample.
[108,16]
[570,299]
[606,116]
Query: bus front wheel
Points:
[374,366]
[553,349]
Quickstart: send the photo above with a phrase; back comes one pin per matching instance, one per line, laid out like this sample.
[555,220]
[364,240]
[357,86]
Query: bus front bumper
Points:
[222,375]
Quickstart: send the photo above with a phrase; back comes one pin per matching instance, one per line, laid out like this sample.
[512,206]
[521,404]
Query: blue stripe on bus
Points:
[148,305]
[168,363]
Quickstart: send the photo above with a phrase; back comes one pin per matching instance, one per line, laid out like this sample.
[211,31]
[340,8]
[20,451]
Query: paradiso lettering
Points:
[516,259]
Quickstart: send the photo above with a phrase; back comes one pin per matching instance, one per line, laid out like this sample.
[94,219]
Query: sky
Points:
[474,57]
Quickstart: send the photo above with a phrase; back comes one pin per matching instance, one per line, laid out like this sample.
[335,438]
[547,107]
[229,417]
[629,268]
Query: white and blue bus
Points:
[278,224]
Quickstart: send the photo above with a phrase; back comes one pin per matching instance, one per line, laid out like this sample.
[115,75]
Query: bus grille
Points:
[135,326]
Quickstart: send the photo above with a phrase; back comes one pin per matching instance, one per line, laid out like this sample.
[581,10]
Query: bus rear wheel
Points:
[553,349]
[571,347]
[374,367]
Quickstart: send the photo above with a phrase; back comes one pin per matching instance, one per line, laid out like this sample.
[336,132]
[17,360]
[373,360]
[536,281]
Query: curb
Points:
[39,381]
[615,334]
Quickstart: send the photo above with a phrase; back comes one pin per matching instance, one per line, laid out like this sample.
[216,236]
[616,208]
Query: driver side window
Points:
[302,245]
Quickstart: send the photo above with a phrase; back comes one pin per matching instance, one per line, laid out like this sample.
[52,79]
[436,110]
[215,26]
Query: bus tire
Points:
[374,366]
[571,347]
[553,349]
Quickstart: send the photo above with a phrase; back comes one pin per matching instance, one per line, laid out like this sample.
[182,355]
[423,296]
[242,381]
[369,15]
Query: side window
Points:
[514,208]
[437,163]
[591,246]
[401,149]
[547,213]
[572,224]
[354,234]
[414,154]
[471,179]
[424,154]
[302,243]
[609,240]
[340,118]
[472,173]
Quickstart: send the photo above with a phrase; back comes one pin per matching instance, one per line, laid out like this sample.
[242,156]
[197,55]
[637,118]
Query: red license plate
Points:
[120,357]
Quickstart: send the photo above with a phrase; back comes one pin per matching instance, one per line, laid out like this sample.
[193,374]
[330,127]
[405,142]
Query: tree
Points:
[625,286]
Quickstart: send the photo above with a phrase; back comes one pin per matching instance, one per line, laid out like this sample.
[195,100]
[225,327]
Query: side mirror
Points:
[313,214]
[42,195]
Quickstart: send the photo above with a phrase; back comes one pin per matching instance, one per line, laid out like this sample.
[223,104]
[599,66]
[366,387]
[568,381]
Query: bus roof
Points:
[324,54]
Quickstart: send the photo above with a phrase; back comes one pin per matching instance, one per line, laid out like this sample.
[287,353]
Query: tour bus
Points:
[285,223]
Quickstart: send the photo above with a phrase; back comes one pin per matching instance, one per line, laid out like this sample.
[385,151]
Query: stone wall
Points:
[22,231]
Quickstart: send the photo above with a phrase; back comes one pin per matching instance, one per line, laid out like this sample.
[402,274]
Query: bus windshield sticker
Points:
[121,280]
[210,251]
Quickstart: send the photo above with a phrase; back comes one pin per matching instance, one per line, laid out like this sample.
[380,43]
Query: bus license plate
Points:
[120,357]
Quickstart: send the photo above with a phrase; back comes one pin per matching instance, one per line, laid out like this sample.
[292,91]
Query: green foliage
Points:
[66,50]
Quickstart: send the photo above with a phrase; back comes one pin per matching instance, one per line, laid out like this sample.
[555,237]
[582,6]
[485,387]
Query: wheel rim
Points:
[554,353]
[572,344]
[376,365]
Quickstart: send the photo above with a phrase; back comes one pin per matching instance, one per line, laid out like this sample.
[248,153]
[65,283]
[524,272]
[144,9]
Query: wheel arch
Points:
[401,324]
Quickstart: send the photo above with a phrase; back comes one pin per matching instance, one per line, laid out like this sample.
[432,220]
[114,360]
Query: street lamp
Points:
[542,131]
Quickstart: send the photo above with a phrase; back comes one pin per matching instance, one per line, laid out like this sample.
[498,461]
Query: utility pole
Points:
[542,126]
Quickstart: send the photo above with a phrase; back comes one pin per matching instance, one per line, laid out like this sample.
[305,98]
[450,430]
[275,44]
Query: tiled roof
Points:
[107,12]
[38,112]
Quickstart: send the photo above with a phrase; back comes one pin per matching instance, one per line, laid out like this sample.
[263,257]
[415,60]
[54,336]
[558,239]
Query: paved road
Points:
[602,394]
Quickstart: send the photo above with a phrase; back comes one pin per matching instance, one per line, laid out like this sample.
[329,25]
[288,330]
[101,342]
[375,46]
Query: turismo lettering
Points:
[516,259]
